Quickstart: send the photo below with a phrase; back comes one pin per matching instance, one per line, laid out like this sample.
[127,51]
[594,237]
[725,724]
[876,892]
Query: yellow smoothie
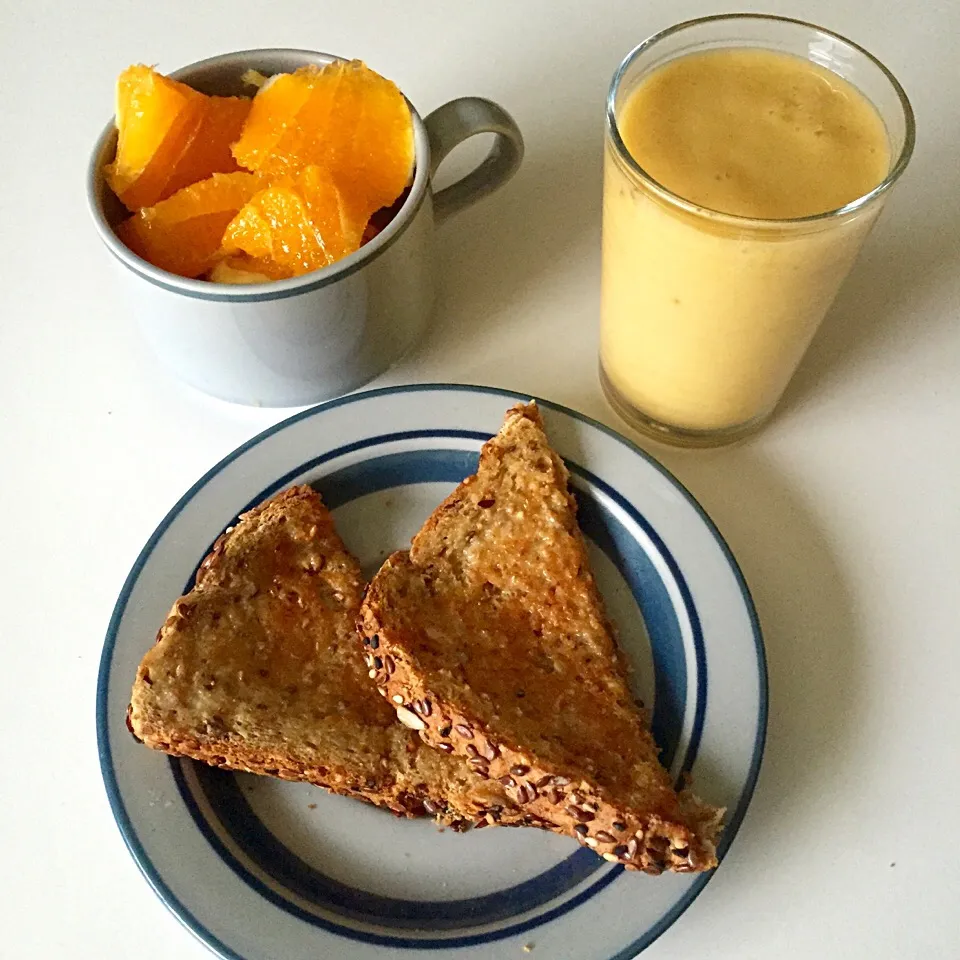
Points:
[705,317]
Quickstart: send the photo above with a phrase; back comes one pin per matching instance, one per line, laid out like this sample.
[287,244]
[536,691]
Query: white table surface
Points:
[843,512]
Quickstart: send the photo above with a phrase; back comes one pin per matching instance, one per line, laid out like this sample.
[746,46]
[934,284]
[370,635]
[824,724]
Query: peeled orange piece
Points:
[169,136]
[183,233]
[155,117]
[274,109]
[344,118]
[208,152]
[297,224]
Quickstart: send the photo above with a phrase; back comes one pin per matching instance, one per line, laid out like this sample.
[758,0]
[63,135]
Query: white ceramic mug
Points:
[300,341]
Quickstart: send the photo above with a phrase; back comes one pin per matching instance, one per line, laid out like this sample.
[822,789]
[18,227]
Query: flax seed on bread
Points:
[499,648]
[258,669]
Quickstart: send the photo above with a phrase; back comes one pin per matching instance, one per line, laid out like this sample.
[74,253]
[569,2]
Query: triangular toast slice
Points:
[259,669]
[491,633]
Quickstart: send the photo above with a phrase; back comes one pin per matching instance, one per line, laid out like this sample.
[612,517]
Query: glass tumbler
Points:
[705,315]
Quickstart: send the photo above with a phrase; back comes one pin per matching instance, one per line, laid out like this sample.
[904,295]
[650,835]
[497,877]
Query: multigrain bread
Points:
[258,669]
[491,641]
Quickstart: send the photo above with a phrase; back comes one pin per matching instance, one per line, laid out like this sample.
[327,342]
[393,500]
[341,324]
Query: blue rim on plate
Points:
[276,874]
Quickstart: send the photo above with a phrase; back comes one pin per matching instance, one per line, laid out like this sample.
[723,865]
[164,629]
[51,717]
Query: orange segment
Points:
[375,163]
[308,116]
[274,109]
[182,234]
[208,151]
[169,136]
[345,118]
[334,213]
[156,116]
[298,225]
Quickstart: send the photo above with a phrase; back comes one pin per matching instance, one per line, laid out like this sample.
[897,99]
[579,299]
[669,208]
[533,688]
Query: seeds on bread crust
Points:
[409,719]
[579,814]
[526,793]
[531,787]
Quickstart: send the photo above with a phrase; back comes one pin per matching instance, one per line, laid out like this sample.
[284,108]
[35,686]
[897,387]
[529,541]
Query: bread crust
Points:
[435,646]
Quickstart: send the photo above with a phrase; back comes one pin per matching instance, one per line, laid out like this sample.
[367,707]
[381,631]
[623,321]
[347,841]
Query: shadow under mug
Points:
[299,341]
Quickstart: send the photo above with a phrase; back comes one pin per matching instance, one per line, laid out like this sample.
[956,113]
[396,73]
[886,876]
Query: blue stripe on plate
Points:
[663,724]
[103,718]
[284,873]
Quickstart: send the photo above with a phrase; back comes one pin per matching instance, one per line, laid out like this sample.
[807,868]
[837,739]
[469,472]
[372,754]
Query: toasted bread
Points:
[258,668]
[491,633]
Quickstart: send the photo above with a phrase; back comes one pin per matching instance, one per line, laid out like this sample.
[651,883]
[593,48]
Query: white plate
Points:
[259,869]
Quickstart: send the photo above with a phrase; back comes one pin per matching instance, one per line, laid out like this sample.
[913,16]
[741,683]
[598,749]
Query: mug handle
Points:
[448,126]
